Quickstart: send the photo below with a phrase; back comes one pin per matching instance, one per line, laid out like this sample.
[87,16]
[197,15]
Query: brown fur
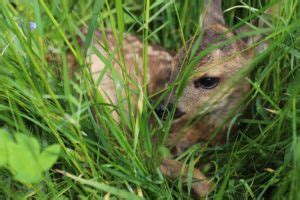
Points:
[159,66]
[215,104]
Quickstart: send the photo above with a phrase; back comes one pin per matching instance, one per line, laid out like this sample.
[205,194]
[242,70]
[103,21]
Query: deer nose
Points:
[178,113]
[164,110]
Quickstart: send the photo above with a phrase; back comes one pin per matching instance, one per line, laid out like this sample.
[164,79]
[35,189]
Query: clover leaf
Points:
[23,157]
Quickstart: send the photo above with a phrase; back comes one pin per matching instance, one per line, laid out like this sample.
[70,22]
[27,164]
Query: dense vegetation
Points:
[41,105]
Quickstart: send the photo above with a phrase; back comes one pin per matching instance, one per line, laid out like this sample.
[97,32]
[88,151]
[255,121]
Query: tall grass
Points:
[103,158]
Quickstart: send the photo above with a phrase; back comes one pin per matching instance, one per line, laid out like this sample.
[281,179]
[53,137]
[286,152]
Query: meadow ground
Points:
[99,157]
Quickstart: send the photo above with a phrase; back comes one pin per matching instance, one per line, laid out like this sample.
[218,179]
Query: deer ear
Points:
[265,20]
[212,13]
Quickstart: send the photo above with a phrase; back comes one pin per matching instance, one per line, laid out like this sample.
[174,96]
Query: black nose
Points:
[178,113]
[164,110]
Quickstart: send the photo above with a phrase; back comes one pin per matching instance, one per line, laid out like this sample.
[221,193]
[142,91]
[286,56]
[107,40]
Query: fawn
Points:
[208,87]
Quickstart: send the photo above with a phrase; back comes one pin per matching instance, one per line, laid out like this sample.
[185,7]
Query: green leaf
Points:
[5,139]
[27,162]
[49,156]
[29,143]
[29,177]
[23,157]
[23,163]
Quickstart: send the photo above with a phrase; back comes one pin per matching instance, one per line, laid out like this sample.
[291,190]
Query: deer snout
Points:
[165,109]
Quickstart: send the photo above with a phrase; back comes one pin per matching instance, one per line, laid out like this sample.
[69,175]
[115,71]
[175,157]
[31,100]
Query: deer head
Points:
[212,88]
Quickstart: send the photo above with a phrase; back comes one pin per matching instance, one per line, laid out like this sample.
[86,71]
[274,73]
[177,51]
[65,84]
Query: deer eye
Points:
[207,82]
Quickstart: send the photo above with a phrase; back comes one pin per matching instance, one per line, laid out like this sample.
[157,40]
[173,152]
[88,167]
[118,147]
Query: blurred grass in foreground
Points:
[101,157]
